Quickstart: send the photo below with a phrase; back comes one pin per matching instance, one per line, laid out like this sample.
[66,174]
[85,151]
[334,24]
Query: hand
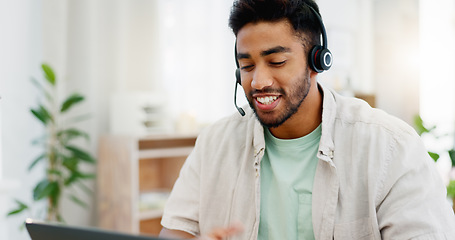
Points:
[222,233]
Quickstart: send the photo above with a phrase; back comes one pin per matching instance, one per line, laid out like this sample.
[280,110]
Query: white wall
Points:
[396,49]
[376,46]
[20,47]
[349,26]
[198,58]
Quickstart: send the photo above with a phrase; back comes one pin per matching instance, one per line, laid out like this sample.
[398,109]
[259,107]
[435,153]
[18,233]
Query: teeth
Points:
[267,100]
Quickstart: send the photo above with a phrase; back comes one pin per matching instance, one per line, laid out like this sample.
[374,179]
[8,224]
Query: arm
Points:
[414,204]
[198,205]
[181,212]
[168,233]
[216,234]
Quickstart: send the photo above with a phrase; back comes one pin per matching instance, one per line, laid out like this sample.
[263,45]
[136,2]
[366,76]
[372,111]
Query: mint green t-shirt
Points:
[287,175]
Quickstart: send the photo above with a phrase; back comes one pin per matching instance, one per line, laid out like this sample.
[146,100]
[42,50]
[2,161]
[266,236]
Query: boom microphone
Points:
[235,102]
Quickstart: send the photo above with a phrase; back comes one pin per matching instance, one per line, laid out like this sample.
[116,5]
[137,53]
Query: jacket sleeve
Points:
[182,208]
[413,202]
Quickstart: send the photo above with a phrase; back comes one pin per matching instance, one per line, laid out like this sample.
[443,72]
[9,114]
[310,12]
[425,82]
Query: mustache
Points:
[267,90]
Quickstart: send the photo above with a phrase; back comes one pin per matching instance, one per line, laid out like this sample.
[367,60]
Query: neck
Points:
[305,120]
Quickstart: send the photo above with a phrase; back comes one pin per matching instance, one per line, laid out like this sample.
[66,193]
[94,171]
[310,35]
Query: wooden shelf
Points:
[165,153]
[130,168]
[150,214]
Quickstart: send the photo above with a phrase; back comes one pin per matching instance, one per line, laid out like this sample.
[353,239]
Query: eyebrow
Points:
[277,49]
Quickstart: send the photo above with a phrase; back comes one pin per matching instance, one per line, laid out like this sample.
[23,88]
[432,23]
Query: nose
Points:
[262,78]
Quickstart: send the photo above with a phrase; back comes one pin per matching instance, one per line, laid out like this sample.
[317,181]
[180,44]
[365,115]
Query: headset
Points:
[320,58]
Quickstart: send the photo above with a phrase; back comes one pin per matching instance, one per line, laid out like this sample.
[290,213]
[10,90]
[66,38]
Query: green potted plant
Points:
[62,157]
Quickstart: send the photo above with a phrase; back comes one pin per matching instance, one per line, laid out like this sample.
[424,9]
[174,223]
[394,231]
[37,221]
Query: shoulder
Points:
[234,130]
[359,114]
[234,122]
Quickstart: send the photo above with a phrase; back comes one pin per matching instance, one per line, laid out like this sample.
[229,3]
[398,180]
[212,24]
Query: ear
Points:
[313,74]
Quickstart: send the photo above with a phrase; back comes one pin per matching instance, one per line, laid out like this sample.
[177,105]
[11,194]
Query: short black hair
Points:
[297,12]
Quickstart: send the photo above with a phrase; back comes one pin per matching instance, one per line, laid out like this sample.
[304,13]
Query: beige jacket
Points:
[374,178]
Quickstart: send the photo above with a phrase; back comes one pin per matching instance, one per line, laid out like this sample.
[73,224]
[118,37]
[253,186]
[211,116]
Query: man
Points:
[304,162]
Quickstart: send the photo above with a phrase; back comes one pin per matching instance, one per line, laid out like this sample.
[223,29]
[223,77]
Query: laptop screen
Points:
[48,231]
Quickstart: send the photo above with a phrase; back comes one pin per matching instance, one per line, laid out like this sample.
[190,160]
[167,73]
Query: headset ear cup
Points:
[313,60]
[320,59]
[324,59]
[237,76]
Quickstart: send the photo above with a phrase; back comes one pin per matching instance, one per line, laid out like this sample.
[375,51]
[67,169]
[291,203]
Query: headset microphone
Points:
[238,81]
[237,75]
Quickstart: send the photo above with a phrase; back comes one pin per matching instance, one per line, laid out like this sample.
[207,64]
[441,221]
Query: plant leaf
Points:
[420,126]
[43,89]
[451,189]
[39,115]
[71,133]
[55,193]
[76,176]
[38,159]
[70,163]
[70,101]
[20,208]
[42,114]
[21,204]
[39,140]
[45,188]
[15,211]
[80,154]
[433,155]
[87,175]
[78,201]
[60,219]
[46,113]
[48,73]
[79,118]
[452,156]
[54,172]
[71,179]
[41,190]
[418,123]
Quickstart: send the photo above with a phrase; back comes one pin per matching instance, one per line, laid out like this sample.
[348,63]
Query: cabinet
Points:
[134,177]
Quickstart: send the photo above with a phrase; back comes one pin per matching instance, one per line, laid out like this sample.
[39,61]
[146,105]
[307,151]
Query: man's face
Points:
[274,71]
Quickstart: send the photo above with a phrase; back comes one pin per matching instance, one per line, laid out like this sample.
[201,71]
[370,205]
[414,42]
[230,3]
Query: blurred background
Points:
[175,57]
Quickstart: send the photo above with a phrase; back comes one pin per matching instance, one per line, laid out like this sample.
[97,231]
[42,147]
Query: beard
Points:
[291,100]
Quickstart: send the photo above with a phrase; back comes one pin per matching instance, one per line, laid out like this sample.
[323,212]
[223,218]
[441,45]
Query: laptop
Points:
[53,231]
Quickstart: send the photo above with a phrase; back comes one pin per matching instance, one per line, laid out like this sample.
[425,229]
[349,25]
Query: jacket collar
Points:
[326,145]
